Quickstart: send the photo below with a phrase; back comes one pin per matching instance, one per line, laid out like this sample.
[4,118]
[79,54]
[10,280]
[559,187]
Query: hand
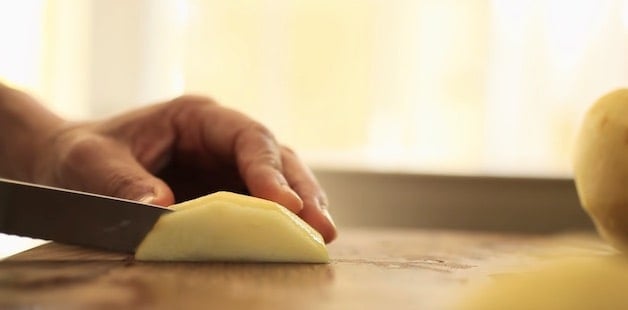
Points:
[182,149]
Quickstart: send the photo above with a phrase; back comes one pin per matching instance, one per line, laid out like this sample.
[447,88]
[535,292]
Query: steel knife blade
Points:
[75,217]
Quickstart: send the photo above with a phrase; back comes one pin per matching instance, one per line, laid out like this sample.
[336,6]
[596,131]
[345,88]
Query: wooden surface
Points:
[370,269]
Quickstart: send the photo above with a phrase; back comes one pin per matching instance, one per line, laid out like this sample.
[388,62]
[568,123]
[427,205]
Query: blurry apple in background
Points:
[601,166]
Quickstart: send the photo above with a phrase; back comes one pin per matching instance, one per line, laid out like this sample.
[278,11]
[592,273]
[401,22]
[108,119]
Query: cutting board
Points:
[370,269]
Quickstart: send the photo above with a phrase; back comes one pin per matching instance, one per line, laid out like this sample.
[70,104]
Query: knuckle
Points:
[267,152]
[268,157]
[270,152]
[323,200]
[260,130]
[265,158]
[188,107]
[191,102]
[288,151]
[82,149]
[119,184]
[72,153]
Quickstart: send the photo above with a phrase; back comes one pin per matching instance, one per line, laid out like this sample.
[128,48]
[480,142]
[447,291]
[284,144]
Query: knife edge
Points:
[75,217]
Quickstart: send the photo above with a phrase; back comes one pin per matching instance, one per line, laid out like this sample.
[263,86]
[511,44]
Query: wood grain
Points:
[370,269]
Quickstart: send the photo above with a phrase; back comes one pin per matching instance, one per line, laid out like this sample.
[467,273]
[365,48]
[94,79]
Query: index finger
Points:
[211,130]
[259,161]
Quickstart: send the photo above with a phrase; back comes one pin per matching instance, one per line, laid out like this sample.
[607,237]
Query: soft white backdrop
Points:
[472,87]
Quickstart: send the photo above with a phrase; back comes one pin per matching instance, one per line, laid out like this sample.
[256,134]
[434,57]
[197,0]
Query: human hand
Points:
[182,149]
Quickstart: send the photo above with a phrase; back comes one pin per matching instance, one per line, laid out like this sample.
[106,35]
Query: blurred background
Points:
[478,88]
[460,87]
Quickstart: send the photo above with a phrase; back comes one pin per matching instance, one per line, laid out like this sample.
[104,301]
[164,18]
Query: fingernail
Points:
[328,216]
[296,197]
[283,183]
[321,203]
[147,199]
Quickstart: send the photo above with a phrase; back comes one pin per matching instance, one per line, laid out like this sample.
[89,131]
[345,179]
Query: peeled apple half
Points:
[601,167]
[226,226]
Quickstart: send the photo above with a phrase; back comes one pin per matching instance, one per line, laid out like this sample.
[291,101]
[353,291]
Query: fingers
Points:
[216,133]
[225,136]
[278,174]
[260,164]
[99,165]
[315,206]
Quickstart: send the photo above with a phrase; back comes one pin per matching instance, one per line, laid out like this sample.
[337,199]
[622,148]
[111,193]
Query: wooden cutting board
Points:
[370,269]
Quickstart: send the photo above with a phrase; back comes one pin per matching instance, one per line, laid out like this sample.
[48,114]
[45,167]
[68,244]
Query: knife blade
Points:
[75,217]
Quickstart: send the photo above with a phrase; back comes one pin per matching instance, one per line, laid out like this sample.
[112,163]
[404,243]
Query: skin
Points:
[160,154]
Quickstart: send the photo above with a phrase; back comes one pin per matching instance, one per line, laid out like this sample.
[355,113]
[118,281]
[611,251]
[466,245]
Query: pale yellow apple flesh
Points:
[226,226]
[601,166]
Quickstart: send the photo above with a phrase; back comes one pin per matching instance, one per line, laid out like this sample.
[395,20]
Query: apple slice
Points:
[226,226]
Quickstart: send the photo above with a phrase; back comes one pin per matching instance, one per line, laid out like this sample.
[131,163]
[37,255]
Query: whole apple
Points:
[601,167]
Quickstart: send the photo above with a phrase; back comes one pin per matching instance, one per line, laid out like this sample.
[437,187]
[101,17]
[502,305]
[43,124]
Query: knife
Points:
[75,217]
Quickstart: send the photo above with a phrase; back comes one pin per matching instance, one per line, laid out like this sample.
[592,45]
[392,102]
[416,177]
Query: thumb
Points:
[107,169]
[129,180]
